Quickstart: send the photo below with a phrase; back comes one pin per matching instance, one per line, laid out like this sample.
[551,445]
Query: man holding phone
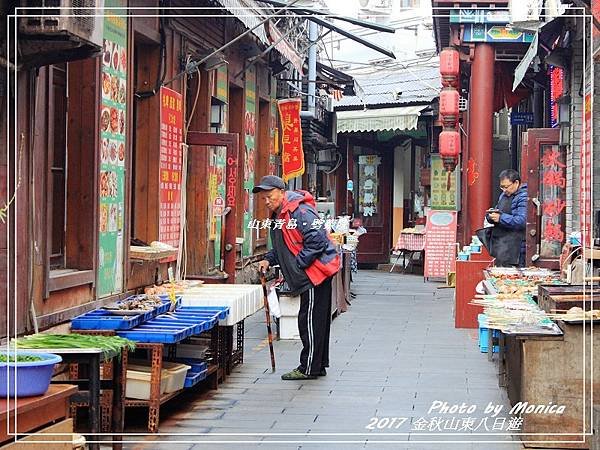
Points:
[507,242]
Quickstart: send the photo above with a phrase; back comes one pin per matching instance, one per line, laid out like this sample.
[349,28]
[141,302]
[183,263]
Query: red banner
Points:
[440,236]
[292,155]
[171,137]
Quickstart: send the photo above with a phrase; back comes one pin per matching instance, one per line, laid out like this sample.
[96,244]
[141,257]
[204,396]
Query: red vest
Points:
[319,270]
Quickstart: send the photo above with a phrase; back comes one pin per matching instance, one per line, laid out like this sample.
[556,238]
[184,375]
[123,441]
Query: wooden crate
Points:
[562,297]
[65,428]
[553,371]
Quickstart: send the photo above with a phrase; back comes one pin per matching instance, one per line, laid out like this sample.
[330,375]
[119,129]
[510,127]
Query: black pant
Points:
[314,323]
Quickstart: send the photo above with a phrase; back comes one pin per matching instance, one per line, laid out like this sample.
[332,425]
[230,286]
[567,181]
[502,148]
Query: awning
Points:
[250,14]
[403,118]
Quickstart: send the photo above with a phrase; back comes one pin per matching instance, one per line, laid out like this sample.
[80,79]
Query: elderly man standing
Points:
[308,260]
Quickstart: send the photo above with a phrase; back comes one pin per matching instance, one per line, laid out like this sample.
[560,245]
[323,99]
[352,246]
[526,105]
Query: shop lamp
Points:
[449,145]
[564,119]
[449,106]
[216,116]
[449,66]
[564,110]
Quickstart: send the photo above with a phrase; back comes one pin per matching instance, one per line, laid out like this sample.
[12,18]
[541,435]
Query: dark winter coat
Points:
[508,235]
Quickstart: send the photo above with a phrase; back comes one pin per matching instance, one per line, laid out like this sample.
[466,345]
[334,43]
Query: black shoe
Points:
[323,372]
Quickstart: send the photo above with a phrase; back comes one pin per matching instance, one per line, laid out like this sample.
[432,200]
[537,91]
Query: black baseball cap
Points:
[268,183]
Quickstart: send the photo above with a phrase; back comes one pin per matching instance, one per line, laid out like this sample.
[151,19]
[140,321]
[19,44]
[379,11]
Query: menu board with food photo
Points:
[249,149]
[113,144]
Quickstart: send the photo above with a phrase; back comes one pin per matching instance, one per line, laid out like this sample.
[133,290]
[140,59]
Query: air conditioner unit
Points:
[60,30]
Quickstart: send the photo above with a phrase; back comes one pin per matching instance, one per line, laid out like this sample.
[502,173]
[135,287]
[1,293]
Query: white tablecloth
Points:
[243,299]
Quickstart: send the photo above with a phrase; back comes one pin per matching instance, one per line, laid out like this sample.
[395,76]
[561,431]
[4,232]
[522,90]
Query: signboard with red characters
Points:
[440,236]
[292,155]
[556,91]
[171,137]
[552,198]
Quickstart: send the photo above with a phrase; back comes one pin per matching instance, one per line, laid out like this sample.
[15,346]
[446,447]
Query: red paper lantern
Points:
[449,66]
[449,144]
[449,99]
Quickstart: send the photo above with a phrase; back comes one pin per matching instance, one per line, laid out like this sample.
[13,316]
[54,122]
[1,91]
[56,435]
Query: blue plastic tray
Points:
[197,365]
[193,378]
[197,327]
[162,333]
[222,311]
[101,319]
[154,336]
[206,321]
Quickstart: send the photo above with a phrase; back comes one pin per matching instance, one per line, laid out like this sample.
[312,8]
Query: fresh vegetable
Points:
[55,341]
[20,358]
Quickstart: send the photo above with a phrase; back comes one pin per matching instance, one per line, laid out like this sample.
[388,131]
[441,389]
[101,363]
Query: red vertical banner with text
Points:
[292,155]
[440,236]
[585,183]
[552,196]
[171,137]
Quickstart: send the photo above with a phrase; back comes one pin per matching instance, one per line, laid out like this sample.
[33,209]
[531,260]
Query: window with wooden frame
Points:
[71,200]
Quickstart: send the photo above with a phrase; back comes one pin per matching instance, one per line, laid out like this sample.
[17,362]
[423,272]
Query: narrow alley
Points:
[393,354]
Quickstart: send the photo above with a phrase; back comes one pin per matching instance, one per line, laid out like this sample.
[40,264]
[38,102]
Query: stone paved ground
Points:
[393,354]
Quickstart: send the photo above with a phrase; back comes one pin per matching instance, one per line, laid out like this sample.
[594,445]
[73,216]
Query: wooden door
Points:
[545,167]
[372,202]
[197,194]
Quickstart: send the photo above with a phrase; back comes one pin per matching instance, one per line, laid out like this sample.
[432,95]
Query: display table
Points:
[408,243]
[35,412]
[91,384]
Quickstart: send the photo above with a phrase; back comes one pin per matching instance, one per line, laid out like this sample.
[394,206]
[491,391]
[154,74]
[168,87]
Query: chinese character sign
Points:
[556,91]
[444,187]
[292,155]
[552,199]
[171,137]
[113,145]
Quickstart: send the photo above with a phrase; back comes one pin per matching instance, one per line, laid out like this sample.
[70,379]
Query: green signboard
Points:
[483,32]
[444,190]
[249,157]
[112,152]
[480,16]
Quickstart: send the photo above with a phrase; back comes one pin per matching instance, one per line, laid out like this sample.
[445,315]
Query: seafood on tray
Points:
[177,286]
[142,302]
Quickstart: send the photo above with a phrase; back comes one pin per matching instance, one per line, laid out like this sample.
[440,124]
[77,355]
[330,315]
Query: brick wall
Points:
[574,148]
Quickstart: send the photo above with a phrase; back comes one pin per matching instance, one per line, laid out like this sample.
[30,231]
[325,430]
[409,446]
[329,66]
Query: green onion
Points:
[109,344]
[20,358]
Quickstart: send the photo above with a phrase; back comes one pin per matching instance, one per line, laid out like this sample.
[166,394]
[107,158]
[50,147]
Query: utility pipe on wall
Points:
[313,36]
